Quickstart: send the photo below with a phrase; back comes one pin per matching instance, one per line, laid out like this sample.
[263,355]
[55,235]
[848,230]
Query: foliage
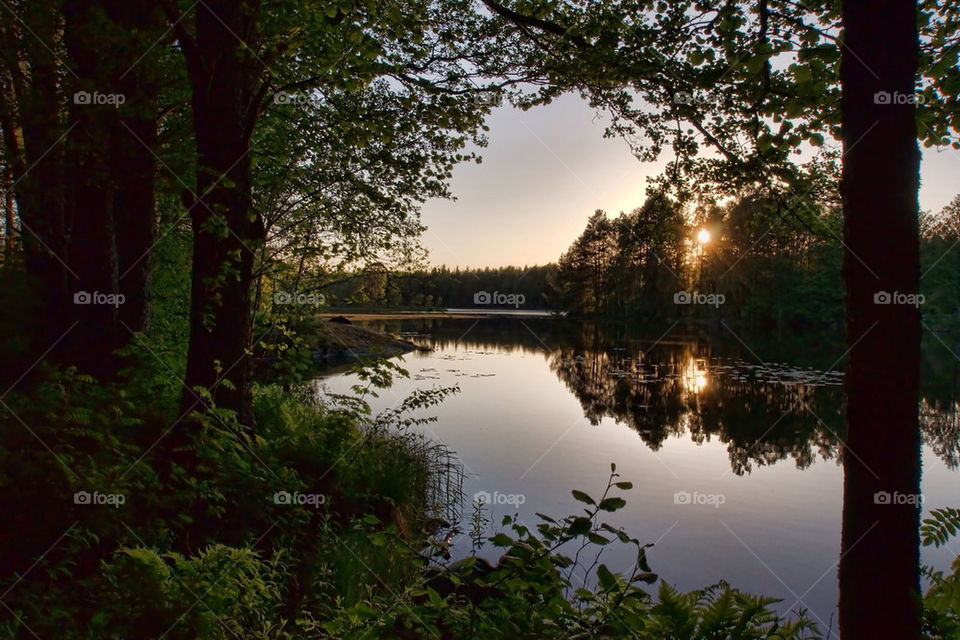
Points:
[198,535]
[941,602]
[372,105]
[531,592]
[634,265]
[205,551]
[628,265]
[745,95]
[942,525]
[219,592]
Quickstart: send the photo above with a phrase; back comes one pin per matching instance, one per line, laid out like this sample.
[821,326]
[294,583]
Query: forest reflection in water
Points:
[545,405]
[766,397]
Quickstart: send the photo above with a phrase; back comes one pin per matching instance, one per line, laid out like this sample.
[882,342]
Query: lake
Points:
[731,439]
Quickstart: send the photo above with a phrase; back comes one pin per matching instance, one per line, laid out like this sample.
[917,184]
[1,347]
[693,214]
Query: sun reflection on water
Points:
[694,376]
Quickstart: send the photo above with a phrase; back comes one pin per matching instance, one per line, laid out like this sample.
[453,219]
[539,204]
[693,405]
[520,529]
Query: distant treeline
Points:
[753,260]
[442,287]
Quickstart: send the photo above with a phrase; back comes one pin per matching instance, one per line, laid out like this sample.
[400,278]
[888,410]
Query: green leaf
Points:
[605,578]
[642,559]
[756,63]
[579,526]
[620,533]
[596,538]
[645,576]
[612,504]
[582,497]
[501,540]
[626,486]
[794,109]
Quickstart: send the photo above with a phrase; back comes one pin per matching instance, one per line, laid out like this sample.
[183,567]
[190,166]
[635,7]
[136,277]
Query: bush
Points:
[941,602]
[145,538]
[530,593]
[219,592]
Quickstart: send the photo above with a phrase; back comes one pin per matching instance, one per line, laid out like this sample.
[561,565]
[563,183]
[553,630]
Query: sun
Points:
[703,237]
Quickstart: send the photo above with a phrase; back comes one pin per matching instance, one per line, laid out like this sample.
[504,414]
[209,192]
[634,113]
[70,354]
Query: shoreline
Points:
[450,314]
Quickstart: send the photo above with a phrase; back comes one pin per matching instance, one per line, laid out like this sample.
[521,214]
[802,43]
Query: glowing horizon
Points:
[547,170]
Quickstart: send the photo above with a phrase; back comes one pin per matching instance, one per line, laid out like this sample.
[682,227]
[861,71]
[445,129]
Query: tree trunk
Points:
[12,143]
[40,192]
[135,225]
[93,247]
[879,580]
[9,217]
[226,231]
[134,165]
[111,171]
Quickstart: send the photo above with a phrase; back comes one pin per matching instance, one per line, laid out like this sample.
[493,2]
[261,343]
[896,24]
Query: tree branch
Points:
[522,20]
[190,51]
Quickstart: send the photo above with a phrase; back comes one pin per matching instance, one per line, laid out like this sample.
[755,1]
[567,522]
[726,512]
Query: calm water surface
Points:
[749,428]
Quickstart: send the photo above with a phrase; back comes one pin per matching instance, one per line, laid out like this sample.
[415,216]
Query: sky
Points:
[548,169]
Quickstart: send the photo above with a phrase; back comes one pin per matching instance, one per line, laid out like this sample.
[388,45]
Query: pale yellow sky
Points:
[547,170]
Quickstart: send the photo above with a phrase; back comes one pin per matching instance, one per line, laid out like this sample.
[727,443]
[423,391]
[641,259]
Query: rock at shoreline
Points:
[339,341]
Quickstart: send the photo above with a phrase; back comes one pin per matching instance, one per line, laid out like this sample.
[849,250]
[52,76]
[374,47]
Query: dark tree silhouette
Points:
[40,192]
[879,581]
[134,162]
[81,171]
[90,213]
[226,99]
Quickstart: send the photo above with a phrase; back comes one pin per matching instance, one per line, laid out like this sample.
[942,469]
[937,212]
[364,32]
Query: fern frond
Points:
[942,525]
